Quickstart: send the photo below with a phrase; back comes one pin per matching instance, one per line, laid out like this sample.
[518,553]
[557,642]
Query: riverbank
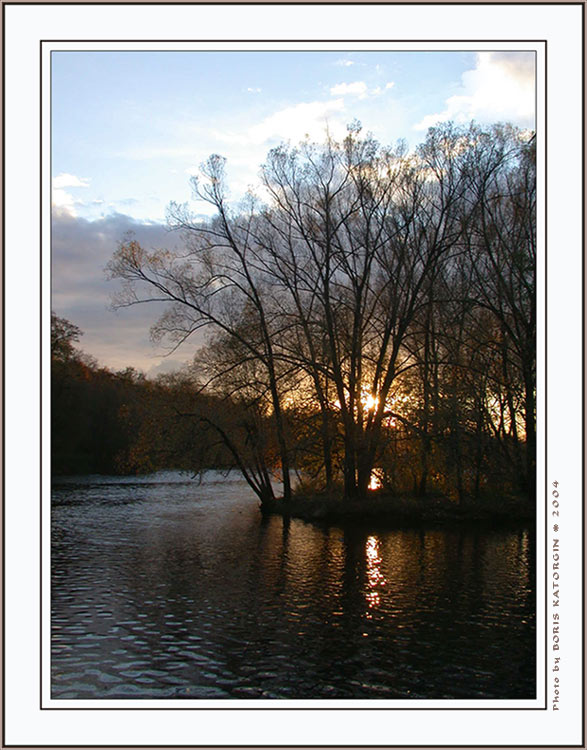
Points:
[402,511]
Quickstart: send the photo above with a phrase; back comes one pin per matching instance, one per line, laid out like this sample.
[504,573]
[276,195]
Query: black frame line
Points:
[3,480]
[283,41]
[309,2]
[583,310]
[278,707]
[299,747]
[3,350]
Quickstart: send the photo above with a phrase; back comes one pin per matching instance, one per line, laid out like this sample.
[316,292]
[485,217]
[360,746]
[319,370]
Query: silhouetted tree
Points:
[368,272]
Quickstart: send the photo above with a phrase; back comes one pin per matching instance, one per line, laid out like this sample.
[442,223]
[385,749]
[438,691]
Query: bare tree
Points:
[217,282]
[366,269]
[501,240]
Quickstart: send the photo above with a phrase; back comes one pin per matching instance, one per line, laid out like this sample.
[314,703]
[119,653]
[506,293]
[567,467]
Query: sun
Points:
[375,481]
[369,401]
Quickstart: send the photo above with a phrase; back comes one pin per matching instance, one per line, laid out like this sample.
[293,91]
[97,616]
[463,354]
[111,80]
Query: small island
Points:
[381,510]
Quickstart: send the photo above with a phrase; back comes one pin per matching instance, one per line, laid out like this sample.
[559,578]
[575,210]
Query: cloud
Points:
[306,118]
[292,123]
[359,89]
[123,202]
[253,90]
[81,293]
[345,63]
[499,88]
[165,366]
[63,201]
[65,180]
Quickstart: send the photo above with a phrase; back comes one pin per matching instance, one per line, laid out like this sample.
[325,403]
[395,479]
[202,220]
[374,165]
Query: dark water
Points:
[165,589]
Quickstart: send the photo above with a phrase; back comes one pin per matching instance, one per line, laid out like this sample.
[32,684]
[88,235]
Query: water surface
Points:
[164,588]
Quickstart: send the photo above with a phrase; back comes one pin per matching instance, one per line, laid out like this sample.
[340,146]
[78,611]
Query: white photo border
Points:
[556,35]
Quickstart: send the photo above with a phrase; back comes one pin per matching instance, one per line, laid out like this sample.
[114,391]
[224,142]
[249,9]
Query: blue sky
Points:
[129,128]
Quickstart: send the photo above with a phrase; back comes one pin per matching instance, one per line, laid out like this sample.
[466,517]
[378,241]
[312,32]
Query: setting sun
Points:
[370,402]
[375,482]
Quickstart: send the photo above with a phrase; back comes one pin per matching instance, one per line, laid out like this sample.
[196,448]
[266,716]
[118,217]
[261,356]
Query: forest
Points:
[370,322]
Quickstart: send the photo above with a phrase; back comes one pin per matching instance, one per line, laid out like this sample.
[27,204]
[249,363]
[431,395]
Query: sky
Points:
[128,129]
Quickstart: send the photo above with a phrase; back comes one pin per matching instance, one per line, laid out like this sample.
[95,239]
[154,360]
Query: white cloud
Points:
[253,90]
[357,88]
[305,118]
[63,202]
[345,63]
[292,123]
[499,88]
[65,180]
[246,147]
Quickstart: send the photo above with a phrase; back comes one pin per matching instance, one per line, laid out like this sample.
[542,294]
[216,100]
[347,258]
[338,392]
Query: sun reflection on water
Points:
[375,578]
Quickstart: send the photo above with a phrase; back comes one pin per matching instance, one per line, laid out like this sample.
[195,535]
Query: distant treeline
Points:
[109,422]
[120,422]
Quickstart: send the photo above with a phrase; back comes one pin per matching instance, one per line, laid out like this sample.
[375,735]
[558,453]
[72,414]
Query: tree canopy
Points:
[373,316]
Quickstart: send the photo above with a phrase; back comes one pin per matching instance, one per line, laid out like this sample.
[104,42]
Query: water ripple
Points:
[166,588]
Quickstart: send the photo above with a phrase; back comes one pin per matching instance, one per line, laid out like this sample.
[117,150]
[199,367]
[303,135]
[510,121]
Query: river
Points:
[166,588]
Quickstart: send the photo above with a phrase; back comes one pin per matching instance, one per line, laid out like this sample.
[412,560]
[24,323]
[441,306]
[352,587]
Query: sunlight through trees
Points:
[373,309]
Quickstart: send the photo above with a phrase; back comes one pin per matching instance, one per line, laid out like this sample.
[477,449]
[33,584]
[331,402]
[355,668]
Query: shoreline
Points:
[414,512]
